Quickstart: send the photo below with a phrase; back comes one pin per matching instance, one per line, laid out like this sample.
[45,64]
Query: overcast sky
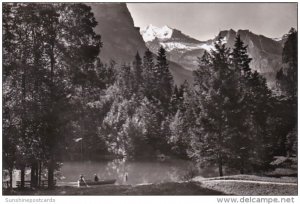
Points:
[204,20]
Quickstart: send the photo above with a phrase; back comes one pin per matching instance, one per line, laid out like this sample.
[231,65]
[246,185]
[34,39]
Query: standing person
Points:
[96,179]
[126,177]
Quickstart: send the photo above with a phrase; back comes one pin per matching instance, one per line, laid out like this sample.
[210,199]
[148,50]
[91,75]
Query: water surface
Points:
[138,172]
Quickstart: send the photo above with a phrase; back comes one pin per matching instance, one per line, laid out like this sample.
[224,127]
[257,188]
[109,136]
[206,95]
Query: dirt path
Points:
[256,182]
[251,185]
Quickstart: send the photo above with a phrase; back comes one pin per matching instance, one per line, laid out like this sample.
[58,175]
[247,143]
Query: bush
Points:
[191,172]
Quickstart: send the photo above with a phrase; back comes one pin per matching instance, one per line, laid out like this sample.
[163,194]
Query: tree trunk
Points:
[50,175]
[32,176]
[220,159]
[23,116]
[10,178]
[22,177]
[220,166]
[40,174]
[242,167]
[36,176]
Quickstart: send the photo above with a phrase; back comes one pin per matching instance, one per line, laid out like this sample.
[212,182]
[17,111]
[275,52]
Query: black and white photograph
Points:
[149,98]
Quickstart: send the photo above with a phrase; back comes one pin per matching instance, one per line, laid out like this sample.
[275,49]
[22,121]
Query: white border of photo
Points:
[146,199]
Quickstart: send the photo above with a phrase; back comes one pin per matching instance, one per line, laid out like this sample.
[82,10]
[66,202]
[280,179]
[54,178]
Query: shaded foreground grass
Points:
[170,188]
[242,185]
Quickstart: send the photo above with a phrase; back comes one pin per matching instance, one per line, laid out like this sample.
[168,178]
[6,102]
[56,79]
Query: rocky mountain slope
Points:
[265,52]
[122,40]
[184,50]
[181,48]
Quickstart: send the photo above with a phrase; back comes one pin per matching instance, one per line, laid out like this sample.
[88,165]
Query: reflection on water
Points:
[135,172]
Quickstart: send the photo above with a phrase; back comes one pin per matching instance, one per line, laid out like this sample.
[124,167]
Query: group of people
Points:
[82,182]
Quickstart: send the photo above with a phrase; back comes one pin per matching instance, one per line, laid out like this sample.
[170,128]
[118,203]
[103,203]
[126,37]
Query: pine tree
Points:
[215,94]
[240,58]
[138,74]
[204,72]
[184,123]
[287,83]
[287,75]
[125,82]
[262,107]
[148,74]
[151,120]
[163,78]
[81,47]
[176,101]
[242,139]
[21,36]
[251,142]
[50,49]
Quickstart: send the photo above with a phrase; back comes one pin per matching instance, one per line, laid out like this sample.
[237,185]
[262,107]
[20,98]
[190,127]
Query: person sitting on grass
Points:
[81,181]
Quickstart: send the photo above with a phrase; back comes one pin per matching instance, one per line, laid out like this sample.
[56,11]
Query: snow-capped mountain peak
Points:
[277,39]
[151,32]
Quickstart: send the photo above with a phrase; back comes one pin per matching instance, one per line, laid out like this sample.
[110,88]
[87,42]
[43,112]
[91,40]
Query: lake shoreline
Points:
[229,185]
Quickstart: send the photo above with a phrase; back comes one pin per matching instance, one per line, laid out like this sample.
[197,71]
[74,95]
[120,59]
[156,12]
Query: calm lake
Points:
[138,171]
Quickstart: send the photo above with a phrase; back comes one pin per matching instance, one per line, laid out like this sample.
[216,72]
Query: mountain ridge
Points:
[122,40]
[265,52]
